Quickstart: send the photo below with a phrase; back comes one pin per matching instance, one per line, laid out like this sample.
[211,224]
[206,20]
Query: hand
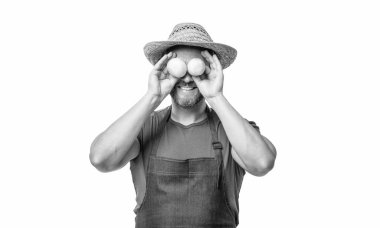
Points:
[211,85]
[160,81]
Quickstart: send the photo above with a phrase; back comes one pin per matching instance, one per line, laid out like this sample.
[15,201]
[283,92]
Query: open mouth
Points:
[187,87]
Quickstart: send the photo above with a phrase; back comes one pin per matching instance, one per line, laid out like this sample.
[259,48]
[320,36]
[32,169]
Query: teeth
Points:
[186,88]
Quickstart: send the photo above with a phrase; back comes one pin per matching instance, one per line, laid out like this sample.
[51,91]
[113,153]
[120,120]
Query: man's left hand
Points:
[211,84]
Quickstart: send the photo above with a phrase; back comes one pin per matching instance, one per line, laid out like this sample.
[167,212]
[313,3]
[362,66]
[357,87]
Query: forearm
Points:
[246,141]
[114,144]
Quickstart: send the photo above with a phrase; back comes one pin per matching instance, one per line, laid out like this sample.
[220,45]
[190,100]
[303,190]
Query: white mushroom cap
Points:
[196,67]
[177,67]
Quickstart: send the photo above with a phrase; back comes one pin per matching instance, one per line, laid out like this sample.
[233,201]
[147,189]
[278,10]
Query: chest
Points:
[180,142]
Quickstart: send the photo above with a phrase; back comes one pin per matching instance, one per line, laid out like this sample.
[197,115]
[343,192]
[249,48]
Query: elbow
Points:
[262,167]
[265,164]
[98,160]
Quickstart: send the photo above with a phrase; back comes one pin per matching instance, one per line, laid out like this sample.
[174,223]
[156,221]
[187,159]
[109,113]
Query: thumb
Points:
[197,80]
[173,80]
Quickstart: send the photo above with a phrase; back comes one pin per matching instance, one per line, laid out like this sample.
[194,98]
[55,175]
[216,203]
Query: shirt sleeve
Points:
[253,124]
[150,128]
[143,137]
[146,131]
[147,134]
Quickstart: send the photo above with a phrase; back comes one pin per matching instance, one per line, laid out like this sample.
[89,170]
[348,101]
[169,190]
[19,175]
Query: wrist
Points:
[215,100]
[153,99]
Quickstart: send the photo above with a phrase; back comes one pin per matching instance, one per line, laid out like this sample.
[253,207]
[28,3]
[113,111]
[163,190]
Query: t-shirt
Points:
[184,142]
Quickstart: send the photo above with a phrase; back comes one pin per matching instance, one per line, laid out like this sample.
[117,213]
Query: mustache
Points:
[182,83]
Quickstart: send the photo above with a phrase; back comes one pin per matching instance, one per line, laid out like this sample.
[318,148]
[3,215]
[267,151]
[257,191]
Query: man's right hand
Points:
[160,81]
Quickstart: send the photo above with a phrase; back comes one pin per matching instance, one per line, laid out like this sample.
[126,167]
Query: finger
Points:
[159,65]
[171,55]
[173,80]
[208,58]
[217,62]
[203,77]
[196,80]
[207,70]
[164,74]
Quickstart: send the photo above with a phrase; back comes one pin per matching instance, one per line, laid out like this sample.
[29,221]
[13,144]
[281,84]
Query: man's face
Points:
[186,93]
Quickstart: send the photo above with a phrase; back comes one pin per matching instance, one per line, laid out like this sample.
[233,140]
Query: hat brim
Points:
[155,50]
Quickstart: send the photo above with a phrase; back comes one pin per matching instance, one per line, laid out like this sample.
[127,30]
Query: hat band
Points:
[190,36]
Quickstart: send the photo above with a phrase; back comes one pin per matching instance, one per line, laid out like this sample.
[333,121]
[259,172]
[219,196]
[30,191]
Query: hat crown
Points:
[192,35]
[189,32]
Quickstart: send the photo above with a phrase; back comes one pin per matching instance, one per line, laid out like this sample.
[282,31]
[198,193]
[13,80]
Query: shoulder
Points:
[253,124]
[156,117]
[152,124]
[159,115]
[219,124]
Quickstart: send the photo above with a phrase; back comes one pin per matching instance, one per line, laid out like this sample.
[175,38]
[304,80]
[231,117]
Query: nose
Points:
[187,78]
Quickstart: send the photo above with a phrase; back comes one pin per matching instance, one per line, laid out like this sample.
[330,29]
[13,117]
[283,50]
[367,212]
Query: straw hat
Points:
[190,34]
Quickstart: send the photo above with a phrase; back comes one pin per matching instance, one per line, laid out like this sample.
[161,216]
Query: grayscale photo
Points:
[188,160]
[199,114]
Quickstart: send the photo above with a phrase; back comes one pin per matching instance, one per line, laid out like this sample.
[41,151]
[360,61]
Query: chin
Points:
[186,102]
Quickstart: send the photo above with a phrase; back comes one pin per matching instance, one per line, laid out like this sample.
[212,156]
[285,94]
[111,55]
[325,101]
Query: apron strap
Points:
[216,144]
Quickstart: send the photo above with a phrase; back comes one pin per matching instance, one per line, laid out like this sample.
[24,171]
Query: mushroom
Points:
[196,67]
[177,67]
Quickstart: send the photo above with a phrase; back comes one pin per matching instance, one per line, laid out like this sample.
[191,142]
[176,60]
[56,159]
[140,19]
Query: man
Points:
[187,160]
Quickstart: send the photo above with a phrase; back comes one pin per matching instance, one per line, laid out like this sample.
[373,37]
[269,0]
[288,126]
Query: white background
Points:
[306,72]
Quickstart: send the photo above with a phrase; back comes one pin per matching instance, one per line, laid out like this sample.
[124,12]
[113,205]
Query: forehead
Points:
[187,53]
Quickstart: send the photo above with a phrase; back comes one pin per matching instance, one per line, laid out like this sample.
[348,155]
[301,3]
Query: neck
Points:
[187,116]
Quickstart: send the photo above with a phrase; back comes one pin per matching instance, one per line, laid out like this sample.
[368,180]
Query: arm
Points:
[118,144]
[252,151]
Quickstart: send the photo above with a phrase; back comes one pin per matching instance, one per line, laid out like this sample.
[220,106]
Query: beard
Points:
[186,102]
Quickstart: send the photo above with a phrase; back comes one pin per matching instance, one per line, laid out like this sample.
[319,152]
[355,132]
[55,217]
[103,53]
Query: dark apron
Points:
[185,193]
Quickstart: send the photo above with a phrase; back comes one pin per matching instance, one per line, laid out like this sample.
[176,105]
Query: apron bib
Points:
[185,193]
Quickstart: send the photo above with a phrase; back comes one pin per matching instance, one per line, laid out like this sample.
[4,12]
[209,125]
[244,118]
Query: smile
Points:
[186,88]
